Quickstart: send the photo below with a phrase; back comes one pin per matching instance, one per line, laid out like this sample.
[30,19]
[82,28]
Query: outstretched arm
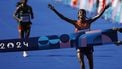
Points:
[100,14]
[60,15]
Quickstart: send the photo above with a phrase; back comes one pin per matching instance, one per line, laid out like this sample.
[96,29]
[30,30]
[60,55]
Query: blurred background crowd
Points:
[114,13]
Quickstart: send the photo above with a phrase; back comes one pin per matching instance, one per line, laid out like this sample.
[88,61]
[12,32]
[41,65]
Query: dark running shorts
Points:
[24,26]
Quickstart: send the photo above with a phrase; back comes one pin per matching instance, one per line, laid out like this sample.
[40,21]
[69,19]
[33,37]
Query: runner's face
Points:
[81,14]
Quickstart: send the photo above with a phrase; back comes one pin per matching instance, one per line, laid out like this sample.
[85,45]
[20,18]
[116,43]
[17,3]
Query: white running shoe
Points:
[25,54]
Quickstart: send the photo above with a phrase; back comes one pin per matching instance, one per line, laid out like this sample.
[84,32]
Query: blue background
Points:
[47,23]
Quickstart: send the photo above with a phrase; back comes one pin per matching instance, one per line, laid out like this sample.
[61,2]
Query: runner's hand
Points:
[51,7]
[109,4]
[19,20]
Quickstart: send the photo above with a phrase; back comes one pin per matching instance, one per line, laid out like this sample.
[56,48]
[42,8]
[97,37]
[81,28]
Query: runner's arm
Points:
[61,16]
[15,15]
[100,14]
[31,10]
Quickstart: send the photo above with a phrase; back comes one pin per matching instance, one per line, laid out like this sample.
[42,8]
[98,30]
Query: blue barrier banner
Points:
[80,39]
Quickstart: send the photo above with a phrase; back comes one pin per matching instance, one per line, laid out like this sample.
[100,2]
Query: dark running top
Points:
[24,13]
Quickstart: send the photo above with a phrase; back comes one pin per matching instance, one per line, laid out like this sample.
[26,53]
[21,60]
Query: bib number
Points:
[25,19]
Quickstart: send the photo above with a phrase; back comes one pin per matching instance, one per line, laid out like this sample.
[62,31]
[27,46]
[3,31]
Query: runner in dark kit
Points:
[23,14]
[82,24]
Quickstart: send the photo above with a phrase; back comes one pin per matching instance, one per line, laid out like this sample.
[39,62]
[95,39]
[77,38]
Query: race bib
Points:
[25,18]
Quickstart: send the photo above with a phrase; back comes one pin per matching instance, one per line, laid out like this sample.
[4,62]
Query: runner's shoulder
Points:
[29,6]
